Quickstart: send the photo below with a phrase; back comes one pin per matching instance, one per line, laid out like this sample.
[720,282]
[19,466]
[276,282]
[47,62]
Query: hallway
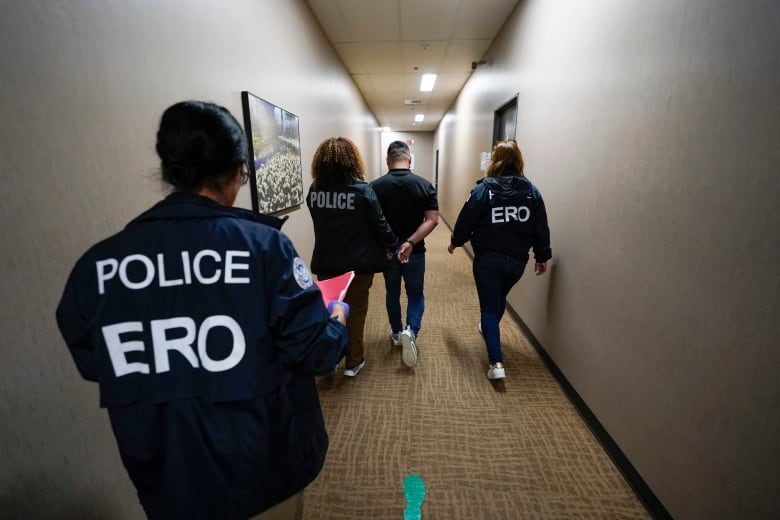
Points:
[651,130]
[515,449]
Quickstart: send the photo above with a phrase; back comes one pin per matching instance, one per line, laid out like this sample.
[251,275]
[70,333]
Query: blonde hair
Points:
[506,157]
[337,159]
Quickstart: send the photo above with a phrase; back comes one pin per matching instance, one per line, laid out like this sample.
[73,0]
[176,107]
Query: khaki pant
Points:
[290,509]
[357,298]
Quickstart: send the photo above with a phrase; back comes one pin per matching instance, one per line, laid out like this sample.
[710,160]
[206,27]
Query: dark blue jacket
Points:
[505,215]
[204,330]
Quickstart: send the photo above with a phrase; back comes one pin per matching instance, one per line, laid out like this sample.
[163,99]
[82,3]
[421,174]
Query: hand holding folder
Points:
[335,289]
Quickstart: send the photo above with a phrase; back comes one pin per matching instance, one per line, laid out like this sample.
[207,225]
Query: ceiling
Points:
[387,45]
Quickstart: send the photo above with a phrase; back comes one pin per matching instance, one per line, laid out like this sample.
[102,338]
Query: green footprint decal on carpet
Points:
[414,490]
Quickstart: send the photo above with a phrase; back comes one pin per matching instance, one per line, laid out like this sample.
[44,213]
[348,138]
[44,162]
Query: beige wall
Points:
[651,129]
[84,84]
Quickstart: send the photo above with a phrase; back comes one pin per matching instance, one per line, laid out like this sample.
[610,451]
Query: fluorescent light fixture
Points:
[385,129]
[419,117]
[426,85]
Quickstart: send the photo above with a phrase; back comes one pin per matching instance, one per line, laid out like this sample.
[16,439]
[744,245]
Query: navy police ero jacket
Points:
[203,330]
[505,215]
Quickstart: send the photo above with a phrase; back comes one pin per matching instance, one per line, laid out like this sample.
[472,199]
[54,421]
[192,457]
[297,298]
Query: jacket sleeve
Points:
[308,340]
[73,323]
[541,231]
[468,218]
[377,221]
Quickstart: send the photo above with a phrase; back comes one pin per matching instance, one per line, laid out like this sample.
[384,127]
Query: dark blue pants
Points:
[494,274]
[413,275]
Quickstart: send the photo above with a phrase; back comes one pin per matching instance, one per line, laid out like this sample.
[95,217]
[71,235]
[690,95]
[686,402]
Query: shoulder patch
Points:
[301,273]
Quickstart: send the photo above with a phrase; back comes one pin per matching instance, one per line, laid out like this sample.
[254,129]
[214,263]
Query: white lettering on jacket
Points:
[182,343]
[506,213]
[203,268]
[327,199]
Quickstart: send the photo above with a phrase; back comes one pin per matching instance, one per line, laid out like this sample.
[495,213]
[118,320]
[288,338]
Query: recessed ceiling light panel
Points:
[426,84]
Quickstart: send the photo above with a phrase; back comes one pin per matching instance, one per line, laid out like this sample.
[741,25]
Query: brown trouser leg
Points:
[357,298]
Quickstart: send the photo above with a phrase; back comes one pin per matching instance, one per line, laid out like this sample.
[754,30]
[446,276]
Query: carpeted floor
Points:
[515,449]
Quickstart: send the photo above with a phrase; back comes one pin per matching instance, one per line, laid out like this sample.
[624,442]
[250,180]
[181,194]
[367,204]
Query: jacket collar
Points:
[181,205]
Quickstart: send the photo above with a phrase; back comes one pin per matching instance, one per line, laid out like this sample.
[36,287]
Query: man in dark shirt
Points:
[411,208]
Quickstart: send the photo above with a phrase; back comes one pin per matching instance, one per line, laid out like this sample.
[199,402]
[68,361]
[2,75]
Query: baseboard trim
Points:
[642,490]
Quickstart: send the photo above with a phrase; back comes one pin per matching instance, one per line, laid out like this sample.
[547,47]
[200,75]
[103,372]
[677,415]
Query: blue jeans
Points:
[413,274]
[494,274]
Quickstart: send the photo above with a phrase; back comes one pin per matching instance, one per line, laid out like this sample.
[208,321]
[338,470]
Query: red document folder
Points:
[335,288]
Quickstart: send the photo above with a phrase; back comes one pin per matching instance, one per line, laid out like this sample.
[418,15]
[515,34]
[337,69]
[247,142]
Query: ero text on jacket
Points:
[136,272]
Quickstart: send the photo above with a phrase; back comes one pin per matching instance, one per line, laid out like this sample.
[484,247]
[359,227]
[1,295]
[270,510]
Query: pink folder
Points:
[335,288]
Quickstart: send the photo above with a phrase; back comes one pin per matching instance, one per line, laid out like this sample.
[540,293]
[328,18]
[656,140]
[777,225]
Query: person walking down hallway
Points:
[204,331]
[350,232]
[504,217]
[412,209]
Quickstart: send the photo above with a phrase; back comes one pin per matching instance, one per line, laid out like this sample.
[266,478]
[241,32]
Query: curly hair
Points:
[506,157]
[337,160]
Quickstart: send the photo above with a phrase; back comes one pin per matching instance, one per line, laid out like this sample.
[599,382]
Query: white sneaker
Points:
[352,372]
[408,348]
[396,337]
[496,371]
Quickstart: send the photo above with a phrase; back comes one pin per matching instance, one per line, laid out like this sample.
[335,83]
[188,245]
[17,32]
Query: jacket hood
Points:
[508,185]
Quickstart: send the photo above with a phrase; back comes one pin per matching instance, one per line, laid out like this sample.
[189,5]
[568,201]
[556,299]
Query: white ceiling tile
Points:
[382,99]
[383,83]
[412,83]
[371,58]
[329,16]
[392,100]
[381,57]
[482,19]
[426,56]
[451,80]
[427,20]
[381,42]
[371,20]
